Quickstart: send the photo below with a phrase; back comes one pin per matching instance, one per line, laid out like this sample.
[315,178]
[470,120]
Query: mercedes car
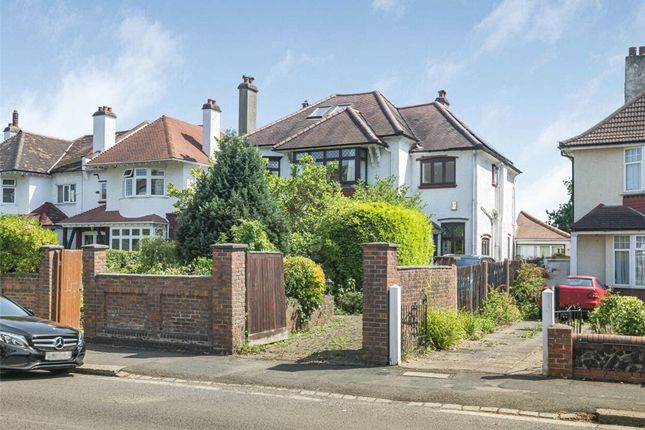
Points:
[30,343]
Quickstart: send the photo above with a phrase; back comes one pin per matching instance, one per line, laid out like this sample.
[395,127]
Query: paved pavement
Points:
[522,392]
[42,401]
[513,350]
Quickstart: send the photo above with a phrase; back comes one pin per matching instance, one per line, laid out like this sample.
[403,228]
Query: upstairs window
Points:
[8,191]
[143,181]
[438,172]
[66,193]
[273,165]
[633,171]
[102,191]
[352,163]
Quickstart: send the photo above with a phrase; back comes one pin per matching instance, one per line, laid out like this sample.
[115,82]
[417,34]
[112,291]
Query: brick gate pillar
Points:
[46,291]
[560,351]
[94,262]
[229,296]
[380,271]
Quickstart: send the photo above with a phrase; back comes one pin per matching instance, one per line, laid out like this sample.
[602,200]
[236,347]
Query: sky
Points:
[523,74]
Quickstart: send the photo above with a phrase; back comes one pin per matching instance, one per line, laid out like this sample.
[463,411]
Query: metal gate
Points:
[68,291]
[266,302]
[414,338]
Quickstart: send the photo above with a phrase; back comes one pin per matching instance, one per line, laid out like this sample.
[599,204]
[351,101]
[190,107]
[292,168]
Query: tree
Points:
[21,238]
[562,217]
[233,188]
[305,198]
[385,191]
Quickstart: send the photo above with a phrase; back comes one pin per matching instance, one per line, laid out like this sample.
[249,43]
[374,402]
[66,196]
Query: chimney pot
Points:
[632,51]
[305,104]
[14,118]
[641,50]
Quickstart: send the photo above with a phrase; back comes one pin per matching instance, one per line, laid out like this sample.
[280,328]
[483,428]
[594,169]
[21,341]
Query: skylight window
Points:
[321,111]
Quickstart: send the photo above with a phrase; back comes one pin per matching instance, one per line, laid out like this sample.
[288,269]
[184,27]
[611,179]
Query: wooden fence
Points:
[474,282]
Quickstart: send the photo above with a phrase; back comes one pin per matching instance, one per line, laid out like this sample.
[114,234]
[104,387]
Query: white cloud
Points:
[546,191]
[396,8]
[291,61]
[134,79]
[521,21]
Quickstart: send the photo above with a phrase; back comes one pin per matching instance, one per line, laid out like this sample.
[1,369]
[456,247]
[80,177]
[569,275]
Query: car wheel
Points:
[61,371]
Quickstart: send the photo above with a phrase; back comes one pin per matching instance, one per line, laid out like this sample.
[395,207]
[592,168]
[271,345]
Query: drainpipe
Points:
[474,205]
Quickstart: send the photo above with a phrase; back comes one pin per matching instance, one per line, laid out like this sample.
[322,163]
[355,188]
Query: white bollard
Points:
[394,298]
[548,318]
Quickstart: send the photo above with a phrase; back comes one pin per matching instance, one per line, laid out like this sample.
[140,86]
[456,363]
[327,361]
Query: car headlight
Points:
[13,339]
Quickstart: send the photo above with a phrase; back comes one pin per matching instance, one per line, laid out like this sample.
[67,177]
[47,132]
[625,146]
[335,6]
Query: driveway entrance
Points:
[512,350]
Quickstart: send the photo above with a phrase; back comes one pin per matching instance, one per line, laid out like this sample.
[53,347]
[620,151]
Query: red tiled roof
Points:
[626,125]
[48,214]
[529,227]
[99,215]
[163,139]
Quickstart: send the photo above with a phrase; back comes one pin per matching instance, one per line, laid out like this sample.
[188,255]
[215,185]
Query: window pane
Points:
[128,187]
[103,190]
[125,232]
[621,242]
[142,187]
[437,172]
[65,193]
[157,186]
[348,171]
[115,244]
[363,173]
[146,232]
[333,154]
[115,232]
[156,172]
[450,171]
[9,182]
[60,193]
[72,193]
[633,177]
[349,152]
[135,232]
[125,244]
[8,195]
[633,155]
[135,244]
[640,268]
[318,155]
[140,172]
[621,267]
[425,172]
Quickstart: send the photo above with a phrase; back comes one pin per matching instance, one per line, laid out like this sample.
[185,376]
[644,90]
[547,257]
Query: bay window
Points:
[352,163]
[128,239]
[143,181]
[633,169]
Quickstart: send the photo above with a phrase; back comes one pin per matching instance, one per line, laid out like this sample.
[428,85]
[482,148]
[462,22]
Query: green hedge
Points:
[349,224]
[21,238]
[304,281]
[619,315]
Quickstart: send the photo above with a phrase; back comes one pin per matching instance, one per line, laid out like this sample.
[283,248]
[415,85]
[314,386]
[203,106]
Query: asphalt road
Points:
[39,400]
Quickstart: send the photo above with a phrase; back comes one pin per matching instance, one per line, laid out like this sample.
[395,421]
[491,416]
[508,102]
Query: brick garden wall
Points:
[182,312]
[21,287]
[381,270]
[320,316]
[595,356]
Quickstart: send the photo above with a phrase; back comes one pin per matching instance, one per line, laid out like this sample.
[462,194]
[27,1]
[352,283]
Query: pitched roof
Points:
[610,218]
[625,125]
[163,139]
[48,214]
[379,112]
[344,127]
[99,215]
[79,148]
[31,152]
[529,227]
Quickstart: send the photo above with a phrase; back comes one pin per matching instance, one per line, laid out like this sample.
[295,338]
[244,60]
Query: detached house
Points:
[608,233]
[109,187]
[468,187]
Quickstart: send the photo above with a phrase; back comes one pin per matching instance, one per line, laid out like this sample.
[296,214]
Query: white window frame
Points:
[102,191]
[632,250]
[147,174]
[69,189]
[633,161]
[9,184]
[133,232]
[92,234]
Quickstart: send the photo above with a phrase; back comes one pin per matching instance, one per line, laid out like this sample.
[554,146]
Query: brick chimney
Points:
[12,128]
[104,132]
[248,105]
[210,127]
[442,98]
[634,72]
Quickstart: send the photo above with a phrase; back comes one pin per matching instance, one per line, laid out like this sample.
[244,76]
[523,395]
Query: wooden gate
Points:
[68,292]
[266,302]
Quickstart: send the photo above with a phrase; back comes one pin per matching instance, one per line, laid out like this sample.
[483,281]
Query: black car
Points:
[29,343]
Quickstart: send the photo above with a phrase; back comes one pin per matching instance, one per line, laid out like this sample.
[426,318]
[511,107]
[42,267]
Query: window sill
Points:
[65,203]
[143,197]
[430,186]
[628,287]
[635,193]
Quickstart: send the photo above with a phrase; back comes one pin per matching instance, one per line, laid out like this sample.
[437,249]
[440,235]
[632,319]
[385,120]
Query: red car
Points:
[580,291]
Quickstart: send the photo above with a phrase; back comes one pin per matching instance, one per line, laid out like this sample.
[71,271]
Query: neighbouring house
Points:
[536,239]
[608,233]
[468,186]
[109,187]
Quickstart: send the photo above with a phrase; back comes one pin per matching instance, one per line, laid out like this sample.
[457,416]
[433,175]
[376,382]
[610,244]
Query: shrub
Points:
[527,288]
[384,190]
[444,328]
[471,325]
[620,315]
[500,308]
[118,261]
[304,281]
[487,325]
[349,224]
[21,238]
[254,234]
[158,252]
[349,300]
[201,266]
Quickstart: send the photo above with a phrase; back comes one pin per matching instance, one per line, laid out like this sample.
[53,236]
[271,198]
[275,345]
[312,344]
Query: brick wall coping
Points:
[422,267]
[609,338]
[95,246]
[51,247]
[265,252]
[152,275]
[16,274]
[239,246]
[381,245]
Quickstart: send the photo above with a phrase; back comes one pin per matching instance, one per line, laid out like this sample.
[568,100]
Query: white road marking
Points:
[427,375]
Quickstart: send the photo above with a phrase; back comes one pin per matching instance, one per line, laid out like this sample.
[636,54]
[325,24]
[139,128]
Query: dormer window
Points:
[320,112]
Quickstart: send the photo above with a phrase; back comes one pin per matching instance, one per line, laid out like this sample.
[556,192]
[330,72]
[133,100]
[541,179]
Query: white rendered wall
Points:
[38,191]
[591,256]
[21,200]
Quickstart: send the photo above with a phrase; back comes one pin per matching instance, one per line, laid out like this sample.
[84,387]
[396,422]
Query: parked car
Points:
[29,343]
[582,292]
[471,260]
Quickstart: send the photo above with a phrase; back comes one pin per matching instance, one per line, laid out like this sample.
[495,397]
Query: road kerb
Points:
[101,370]
[622,418]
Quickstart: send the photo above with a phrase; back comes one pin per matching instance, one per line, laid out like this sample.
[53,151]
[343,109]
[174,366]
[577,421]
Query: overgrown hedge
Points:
[21,238]
[304,281]
[350,224]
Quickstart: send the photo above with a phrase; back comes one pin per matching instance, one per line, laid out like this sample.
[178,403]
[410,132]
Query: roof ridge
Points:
[306,129]
[62,155]
[544,224]
[167,137]
[380,100]
[45,135]
[417,105]
[602,122]
[293,114]
[366,129]
[21,144]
